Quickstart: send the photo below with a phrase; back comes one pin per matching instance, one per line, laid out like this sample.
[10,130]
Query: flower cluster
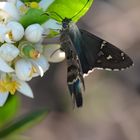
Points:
[22,54]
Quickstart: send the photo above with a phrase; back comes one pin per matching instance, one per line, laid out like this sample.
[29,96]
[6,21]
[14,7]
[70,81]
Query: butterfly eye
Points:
[65,25]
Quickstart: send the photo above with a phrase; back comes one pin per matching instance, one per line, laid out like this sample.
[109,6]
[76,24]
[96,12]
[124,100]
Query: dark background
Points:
[111,109]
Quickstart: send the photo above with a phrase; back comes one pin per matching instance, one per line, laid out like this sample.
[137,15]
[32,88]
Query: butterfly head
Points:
[66,23]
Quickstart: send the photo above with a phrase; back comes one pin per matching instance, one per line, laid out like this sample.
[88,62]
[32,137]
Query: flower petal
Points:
[39,69]
[51,24]
[3,30]
[23,69]
[5,67]
[42,61]
[53,53]
[25,89]
[10,8]
[8,52]
[3,98]
[41,64]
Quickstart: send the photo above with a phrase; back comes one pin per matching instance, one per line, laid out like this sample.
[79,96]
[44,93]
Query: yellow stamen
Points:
[34,54]
[9,86]
[10,35]
[2,87]
[33,70]
[34,5]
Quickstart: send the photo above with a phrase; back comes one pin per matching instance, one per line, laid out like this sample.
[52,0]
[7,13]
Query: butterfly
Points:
[85,52]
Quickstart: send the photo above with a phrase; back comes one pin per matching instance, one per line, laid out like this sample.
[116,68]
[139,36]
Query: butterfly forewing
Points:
[101,54]
[77,41]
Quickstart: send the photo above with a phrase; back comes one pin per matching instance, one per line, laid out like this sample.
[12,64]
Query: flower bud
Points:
[8,52]
[15,32]
[33,33]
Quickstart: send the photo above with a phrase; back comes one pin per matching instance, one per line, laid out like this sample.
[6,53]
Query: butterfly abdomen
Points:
[74,80]
[76,92]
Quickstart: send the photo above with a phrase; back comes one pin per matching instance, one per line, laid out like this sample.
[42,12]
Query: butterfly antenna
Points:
[80,10]
[57,15]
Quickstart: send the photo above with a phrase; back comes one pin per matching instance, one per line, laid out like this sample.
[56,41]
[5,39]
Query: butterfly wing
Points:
[99,53]
[79,46]
[74,71]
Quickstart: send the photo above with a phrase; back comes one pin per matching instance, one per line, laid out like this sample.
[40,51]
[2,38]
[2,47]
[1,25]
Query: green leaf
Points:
[69,8]
[33,16]
[9,110]
[23,123]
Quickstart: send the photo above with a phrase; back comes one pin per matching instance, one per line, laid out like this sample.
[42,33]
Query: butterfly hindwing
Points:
[101,54]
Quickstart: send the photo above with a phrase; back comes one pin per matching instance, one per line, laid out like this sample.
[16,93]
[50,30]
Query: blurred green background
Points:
[111,109]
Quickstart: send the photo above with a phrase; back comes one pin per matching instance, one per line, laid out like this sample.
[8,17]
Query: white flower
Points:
[10,11]
[11,86]
[53,53]
[15,32]
[26,69]
[8,52]
[33,33]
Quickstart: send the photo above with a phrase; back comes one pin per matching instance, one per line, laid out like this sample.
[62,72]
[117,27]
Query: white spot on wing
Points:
[122,54]
[108,69]
[103,44]
[109,57]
